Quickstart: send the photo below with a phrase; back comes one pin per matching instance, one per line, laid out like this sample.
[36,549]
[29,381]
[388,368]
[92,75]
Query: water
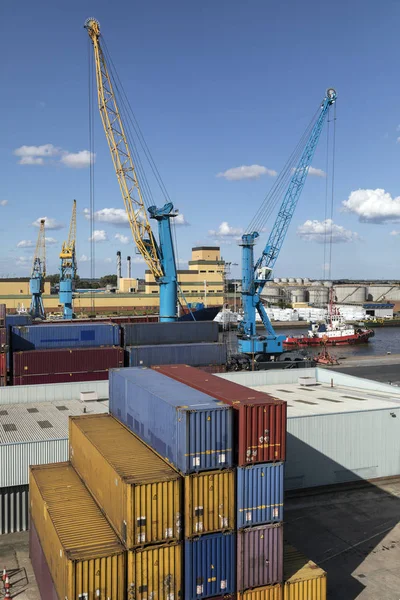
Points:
[386,339]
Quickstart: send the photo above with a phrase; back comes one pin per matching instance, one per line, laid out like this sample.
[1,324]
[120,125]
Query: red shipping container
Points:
[73,360]
[3,336]
[3,365]
[260,418]
[3,313]
[60,378]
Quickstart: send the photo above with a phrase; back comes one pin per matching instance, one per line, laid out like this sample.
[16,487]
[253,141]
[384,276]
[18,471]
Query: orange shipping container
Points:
[84,555]
[269,592]
[139,492]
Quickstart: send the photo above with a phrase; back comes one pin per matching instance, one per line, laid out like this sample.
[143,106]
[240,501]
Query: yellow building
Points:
[202,282]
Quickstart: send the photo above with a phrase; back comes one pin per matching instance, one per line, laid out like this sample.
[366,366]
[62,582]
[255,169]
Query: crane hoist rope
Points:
[38,274]
[68,267]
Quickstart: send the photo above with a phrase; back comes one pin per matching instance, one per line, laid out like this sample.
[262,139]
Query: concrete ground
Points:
[385,369]
[352,533]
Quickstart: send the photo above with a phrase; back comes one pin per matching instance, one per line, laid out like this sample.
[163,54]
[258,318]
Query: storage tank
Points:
[306,281]
[318,295]
[350,294]
[277,280]
[291,280]
[316,283]
[297,295]
[327,284]
[284,280]
[272,293]
[299,280]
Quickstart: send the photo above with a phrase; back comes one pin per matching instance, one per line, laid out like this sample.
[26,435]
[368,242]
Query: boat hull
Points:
[345,340]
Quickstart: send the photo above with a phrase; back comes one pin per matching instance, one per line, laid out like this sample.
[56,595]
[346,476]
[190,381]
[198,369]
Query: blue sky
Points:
[215,85]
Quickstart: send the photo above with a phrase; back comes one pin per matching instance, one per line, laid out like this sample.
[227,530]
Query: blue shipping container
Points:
[259,494]
[210,566]
[191,430]
[77,335]
[196,355]
[192,332]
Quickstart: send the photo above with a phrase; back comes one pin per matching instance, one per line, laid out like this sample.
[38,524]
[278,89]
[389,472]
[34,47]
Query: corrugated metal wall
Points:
[49,393]
[15,459]
[342,447]
[14,509]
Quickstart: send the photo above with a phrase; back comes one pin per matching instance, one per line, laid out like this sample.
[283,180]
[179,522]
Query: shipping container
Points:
[259,556]
[209,502]
[3,337]
[74,360]
[192,332]
[40,568]
[259,419]
[38,337]
[81,549]
[303,578]
[14,509]
[61,378]
[171,354]
[3,312]
[268,592]
[3,364]
[155,573]
[191,430]
[18,320]
[105,319]
[210,568]
[259,494]
[139,493]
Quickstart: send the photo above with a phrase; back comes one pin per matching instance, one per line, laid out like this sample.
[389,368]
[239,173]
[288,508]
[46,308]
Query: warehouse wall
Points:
[49,393]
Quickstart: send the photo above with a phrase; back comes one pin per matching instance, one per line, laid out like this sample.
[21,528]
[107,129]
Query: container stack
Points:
[260,434]
[64,353]
[195,343]
[3,346]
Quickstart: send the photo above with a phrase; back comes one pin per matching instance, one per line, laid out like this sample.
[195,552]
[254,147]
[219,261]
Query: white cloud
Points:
[50,241]
[398,140]
[180,220]
[26,244]
[374,206]
[3,202]
[40,155]
[84,258]
[99,235]
[49,223]
[226,231]
[246,172]
[316,172]
[395,232]
[23,261]
[321,231]
[138,259]
[78,160]
[108,260]
[114,216]
[123,239]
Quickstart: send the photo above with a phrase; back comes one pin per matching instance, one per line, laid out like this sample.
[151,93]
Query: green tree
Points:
[108,280]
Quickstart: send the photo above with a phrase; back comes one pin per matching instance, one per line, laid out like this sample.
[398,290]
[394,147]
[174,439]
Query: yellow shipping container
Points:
[303,579]
[269,592]
[209,502]
[155,572]
[82,551]
[139,492]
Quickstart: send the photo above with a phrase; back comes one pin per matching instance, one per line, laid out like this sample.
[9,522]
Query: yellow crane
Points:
[68,267]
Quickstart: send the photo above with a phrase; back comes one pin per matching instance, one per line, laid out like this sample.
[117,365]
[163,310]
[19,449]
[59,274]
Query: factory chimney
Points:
[118,267]
[128,264]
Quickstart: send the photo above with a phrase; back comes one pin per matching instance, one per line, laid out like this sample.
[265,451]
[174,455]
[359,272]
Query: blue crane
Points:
[255,274]
[68,268]
[38,275]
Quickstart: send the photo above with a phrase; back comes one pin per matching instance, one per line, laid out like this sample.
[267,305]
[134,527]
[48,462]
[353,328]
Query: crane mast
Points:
[160,258]
[36,283]
[255,274]
[68,268]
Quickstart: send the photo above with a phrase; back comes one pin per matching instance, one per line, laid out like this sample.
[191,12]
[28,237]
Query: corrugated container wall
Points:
[260,419]
[145,334]
[16,458]
[3,336]
[40,567]
[303,578]
[190,429]
[14,509]
[155,572]
[259,494]
[259,556]
[171,354]
[209,502]
[37,337]
[269,592]
[3,311]
[210,565]
[139,493]
[74,360]
[60,378]
[82,551]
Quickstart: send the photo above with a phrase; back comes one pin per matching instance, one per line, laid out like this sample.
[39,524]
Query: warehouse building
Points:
[340,428]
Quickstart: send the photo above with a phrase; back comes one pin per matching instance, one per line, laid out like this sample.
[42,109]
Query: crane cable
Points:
[91,172]
[332,191]
[329,199]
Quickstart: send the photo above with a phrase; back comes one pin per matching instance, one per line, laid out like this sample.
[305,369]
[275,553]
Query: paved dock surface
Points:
[385,369]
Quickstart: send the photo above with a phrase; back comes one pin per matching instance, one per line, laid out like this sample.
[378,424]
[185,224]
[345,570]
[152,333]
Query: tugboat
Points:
[332,332]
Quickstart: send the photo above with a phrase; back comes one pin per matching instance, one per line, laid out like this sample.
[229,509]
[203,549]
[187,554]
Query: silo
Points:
[284,280]
[297,295]
[271,294]
[277,280]
[291,280]
[316,283]
[318,295]
[350,294]
[299,280]
[306,281]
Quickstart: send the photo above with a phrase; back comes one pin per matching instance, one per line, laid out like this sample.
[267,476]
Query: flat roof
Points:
[321,398]
[40,421]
